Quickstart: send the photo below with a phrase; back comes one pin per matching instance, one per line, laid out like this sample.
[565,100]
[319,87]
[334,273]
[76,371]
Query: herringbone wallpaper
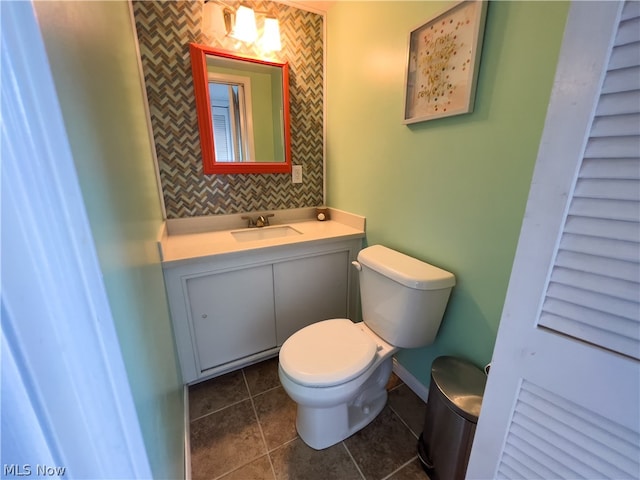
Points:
[164,30]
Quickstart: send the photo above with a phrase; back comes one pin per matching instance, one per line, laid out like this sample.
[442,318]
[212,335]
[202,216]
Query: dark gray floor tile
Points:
[259,469]
[225,440]
[297,461]
[409,407]
[262,376]
[217,393]
[413,471]
[382,446]
[277,417]
[228,442]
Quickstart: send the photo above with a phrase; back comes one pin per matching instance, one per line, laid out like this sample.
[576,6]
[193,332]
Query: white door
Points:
[66,408]
[563,395]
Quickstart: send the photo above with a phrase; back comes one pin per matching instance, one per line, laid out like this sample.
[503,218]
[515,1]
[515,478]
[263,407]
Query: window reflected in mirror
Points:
[232,127]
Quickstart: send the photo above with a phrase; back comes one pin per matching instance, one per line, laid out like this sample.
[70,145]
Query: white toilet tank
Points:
[403,298]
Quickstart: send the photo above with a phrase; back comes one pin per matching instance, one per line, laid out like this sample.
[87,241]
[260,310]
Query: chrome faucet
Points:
[260,221]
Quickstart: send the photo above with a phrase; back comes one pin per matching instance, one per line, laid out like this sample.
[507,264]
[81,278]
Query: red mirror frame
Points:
[205,123]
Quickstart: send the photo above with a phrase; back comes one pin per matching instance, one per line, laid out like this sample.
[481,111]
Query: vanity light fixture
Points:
[216,19]
[271,36]
[245,28]
[221,19]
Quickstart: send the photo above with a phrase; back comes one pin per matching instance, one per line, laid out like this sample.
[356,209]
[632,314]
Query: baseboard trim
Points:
[187,436]
[410,381]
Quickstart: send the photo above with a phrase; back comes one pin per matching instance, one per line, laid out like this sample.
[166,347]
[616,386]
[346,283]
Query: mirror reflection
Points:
[243,112]
[232,126]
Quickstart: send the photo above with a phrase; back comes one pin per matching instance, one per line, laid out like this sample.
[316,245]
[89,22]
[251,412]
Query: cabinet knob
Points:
[204,315]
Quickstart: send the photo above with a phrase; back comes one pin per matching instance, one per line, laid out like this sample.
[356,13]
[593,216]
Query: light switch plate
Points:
[296,174]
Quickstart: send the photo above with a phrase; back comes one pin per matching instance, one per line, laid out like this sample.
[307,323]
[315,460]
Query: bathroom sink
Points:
[265,233]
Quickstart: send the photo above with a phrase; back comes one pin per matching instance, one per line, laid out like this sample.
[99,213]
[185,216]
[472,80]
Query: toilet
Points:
[337,370]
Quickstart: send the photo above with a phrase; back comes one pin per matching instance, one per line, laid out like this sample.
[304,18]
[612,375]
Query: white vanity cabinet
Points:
[234,309]
[228,322]
[310,289]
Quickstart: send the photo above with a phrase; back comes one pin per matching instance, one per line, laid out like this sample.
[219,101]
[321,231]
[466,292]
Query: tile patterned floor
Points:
[243,428]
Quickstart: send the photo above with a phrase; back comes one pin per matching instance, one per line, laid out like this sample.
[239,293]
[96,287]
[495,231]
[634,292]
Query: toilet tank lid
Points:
[404,269]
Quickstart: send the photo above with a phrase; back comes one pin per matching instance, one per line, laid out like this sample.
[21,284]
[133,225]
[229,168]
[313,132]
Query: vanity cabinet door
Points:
[309,290]
[232,314]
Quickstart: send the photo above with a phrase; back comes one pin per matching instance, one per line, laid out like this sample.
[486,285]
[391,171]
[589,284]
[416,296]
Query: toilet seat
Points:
[327,353]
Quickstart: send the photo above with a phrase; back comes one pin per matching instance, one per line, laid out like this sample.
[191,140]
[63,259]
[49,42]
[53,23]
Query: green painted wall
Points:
[91,47]
[451,191]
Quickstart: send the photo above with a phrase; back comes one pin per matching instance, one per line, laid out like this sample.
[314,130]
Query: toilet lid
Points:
[327,353]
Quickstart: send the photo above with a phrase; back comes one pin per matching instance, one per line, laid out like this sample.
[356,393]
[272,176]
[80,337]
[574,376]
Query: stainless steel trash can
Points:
[453,406]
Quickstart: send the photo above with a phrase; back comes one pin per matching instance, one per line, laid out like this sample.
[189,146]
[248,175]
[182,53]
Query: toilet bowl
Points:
[335,402]
[337,370]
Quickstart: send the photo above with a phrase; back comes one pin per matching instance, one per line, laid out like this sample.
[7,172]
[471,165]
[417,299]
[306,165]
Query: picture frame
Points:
[443,61]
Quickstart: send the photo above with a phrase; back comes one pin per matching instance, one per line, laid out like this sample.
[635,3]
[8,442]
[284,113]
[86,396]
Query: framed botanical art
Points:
[443,60]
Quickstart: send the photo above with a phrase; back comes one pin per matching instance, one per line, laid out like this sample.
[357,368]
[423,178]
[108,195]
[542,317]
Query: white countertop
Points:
[186,245]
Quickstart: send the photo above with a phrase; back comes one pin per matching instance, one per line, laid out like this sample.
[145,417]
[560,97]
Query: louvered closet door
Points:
[563,397]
